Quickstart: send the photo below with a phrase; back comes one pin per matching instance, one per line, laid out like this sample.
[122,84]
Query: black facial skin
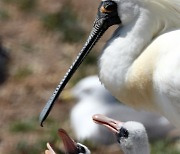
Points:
[110,6]
[81,149]
[123,133]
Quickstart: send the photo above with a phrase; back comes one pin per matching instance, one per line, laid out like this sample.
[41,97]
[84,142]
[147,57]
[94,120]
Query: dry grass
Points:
[39,59]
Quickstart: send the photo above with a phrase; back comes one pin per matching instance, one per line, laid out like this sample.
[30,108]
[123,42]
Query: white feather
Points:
[140,63]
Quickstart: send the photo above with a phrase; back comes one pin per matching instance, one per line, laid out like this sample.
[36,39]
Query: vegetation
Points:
[23,72]
[66,22]
[164,147]
[26,37]
[4,15]
[23,5]
[21,127]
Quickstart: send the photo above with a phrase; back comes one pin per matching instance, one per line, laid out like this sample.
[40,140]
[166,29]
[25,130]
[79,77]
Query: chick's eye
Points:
[81,149]
[123,133]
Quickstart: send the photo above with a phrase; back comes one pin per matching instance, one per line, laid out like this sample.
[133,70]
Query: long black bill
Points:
[106,17]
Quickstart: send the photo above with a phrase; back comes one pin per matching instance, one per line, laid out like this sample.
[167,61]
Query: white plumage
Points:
[93,98]
[131,135]
[140,63]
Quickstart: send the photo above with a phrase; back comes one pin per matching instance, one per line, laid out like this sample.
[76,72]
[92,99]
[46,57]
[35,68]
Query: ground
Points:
[42,38]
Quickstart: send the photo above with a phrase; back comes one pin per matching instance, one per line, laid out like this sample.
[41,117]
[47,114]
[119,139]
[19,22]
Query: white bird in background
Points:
[140,63]
[71,147]
[131,135]
[93,98]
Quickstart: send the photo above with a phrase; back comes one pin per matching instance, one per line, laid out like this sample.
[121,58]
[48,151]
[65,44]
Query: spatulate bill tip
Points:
[46,110]
[41,120]
[43,115]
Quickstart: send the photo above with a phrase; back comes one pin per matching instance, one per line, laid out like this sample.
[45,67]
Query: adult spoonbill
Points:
[139,64]
[71,147]
[131,135]
[93,98]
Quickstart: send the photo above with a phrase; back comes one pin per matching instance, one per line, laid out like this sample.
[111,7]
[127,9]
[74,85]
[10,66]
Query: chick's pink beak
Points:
[113,125]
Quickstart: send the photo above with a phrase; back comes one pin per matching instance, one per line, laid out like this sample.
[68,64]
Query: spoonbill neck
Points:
[124,47]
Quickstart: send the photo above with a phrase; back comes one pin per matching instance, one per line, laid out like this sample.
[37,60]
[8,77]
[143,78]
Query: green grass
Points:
[65,22]
[23,72]
[23,5]
[164,147]
[22,127]
[4,15]
[23,147]
[31,126]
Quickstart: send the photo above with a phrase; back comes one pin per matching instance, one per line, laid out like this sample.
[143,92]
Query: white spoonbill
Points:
[140,63]
[131,135]
[93,98]
[71,147]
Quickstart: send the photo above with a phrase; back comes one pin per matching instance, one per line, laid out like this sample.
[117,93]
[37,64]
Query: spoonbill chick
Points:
[140,63]
[71,147]
[130,135]
[93,98]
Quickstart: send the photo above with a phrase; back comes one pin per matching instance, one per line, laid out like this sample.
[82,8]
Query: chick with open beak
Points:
[71,147]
